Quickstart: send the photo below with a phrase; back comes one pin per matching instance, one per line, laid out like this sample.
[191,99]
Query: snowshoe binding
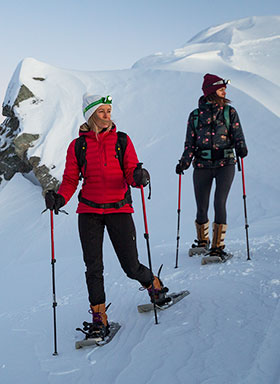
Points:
[99,328]
[100,332]
[199,247]
[216,255]
[158,291]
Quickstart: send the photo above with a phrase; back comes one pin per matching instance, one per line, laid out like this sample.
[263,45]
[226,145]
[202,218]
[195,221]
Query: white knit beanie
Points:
[92,102]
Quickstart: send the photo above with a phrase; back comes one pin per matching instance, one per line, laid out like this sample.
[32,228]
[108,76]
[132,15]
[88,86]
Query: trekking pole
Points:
[178,223]
[53,284]
[146,236]
[245,207]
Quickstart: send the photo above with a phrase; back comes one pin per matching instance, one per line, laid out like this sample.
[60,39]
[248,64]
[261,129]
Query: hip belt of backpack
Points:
[116,205]
[214,154]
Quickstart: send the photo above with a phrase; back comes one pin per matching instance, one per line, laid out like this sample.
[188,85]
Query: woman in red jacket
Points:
[104,201]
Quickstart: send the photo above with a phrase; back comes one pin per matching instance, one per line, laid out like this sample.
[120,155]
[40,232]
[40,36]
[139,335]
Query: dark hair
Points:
[214,98]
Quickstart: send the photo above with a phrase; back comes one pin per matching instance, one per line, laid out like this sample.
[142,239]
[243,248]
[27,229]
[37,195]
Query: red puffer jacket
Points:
[105,181]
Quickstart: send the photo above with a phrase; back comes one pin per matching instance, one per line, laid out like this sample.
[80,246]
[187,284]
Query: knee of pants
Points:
[92,270]
[133,272]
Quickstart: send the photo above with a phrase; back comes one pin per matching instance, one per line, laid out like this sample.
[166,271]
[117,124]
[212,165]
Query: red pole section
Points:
[179,193]
[243,177]
[53,261]
[178,223]
[52,236]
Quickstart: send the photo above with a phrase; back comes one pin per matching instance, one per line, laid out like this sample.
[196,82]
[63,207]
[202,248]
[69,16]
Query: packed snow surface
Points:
[227,329]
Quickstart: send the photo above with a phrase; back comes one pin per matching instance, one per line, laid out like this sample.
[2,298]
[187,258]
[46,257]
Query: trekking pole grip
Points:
[238,164]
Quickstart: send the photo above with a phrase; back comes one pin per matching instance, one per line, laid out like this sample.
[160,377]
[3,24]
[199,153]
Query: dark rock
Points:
[43,175]
[23,142]
[14,146]
[24,94]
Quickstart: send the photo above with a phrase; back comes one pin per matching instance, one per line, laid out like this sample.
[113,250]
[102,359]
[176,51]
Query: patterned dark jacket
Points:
[212,135]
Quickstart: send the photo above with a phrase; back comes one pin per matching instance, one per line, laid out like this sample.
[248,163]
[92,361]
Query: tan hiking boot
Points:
[100,325]
[218,244]
[201,245]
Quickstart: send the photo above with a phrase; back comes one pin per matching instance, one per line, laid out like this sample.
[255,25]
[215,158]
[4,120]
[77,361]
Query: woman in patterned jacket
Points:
[213,131]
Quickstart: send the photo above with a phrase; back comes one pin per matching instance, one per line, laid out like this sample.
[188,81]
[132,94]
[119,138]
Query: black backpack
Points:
[81,148]
[80,152]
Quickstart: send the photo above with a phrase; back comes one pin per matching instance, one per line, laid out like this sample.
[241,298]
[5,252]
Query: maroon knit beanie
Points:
[208,85]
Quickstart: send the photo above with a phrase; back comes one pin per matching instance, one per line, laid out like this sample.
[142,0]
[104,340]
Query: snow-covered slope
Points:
[247,51]
[227,330]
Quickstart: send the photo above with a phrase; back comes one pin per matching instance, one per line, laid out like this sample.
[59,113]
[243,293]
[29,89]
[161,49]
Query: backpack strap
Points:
[195,117]
[121,147]
[80,152]
[120,150]
[226,116]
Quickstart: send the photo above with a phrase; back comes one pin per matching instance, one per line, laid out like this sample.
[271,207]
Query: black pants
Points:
[121,230]
[202,180]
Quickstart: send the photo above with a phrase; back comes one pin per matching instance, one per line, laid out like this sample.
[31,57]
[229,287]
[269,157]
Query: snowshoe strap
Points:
[199,243]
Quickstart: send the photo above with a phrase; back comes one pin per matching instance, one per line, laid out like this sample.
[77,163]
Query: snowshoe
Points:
[94,339]
[173,299]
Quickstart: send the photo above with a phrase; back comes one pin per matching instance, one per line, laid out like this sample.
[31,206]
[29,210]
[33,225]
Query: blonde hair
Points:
[92,126]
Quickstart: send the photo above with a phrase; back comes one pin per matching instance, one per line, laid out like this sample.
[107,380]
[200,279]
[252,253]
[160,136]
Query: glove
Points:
[54,201]
[241,152]
[181,166]
[141,176]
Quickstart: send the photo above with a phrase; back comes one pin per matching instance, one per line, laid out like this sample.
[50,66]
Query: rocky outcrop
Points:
[14,146]
[10,162]
[43,175]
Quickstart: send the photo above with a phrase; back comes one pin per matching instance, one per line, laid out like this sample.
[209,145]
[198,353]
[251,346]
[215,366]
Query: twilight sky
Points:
[114,34]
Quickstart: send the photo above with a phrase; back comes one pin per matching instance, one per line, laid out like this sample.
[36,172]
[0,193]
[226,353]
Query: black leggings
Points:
[121,230]
[202,180]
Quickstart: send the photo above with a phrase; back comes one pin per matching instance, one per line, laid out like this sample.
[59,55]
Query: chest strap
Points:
[117,205]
